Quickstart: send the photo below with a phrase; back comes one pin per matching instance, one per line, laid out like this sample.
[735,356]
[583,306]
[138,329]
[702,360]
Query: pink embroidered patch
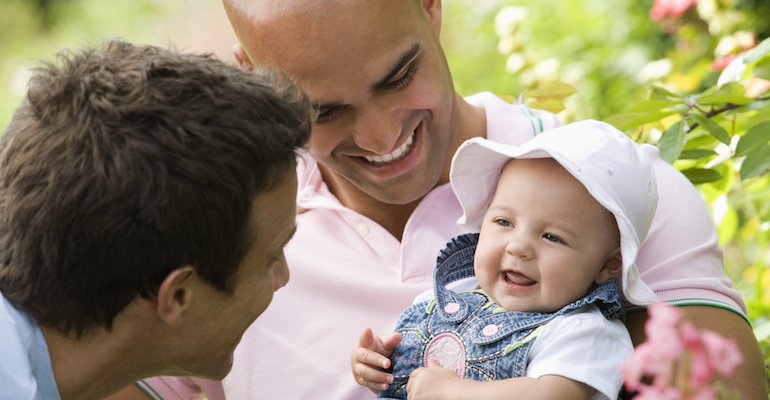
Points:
[448,351]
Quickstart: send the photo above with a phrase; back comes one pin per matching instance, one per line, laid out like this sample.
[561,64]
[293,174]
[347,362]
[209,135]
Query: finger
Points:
[372,378]
[368,357]
[432,362]
[389,341]
[367,339]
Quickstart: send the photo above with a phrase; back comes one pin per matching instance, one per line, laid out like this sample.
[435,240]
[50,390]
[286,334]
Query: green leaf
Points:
[737,68]
[554,90]
[622,121]
[762,69]
[753,138]
[696,154]
[548,104]
[701,175]
[730,89]
[672,142]
[722,99]
[660,93]
[630,120]
[652,105]
[757,53]
[733,72]
[712,128]
[757,162]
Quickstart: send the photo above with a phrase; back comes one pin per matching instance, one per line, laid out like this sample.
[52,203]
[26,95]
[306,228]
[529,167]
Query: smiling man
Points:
[146,197]
[375,206]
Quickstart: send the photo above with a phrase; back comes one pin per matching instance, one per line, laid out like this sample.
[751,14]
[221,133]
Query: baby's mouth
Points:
[516,278]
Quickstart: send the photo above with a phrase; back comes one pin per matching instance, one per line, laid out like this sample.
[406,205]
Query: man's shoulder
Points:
[512,123]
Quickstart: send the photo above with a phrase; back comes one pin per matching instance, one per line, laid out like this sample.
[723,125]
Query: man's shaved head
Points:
[378,75]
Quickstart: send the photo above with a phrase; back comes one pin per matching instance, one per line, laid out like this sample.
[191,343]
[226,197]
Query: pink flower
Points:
[655,393]
[723,354]
[721,62]
[673,8]
[704,393]
[681,360]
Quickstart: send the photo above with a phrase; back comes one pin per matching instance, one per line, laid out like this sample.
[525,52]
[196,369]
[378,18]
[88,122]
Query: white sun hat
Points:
[608,163]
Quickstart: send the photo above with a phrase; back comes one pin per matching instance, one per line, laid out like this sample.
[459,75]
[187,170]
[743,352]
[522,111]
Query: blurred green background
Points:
[610,50]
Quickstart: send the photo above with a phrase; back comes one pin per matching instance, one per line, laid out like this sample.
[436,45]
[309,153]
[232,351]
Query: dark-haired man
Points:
[376,206]
[146,197]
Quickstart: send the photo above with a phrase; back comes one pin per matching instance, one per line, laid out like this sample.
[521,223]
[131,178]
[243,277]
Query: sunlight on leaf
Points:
[672,142]
[554,90]
[753,138]
[551,105]
[712,128]
[757,161]
[701,175]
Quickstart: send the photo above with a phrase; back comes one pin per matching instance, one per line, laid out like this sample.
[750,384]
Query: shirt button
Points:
[452,308]
[363,230]
[490,330]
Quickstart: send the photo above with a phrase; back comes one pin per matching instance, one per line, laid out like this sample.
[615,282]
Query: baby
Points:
[560,218]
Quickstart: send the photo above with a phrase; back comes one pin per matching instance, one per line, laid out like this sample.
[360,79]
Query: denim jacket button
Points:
[490,330]
[452,308]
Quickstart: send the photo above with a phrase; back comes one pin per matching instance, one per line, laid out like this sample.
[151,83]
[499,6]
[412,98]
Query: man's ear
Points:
[432,9]
[175,295]
[612,268]
[242,58]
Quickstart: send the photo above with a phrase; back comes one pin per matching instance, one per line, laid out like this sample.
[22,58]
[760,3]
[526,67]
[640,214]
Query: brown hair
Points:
[126,162]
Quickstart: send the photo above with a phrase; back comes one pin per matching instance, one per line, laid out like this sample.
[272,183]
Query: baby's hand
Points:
[370,358]
[429,383]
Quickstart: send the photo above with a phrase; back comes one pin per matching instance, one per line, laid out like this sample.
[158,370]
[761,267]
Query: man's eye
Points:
[403,80]
[553,238]
[327,114]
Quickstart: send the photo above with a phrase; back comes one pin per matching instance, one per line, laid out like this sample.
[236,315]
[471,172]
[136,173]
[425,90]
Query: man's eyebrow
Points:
[398,66]
[327,106]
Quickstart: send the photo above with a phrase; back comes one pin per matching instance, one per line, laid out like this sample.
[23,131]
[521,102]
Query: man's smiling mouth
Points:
[394,155]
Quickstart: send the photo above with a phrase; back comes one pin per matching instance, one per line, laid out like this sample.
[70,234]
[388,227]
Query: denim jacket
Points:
[468,332]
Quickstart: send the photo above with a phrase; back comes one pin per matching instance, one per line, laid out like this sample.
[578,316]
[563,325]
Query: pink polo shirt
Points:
[348,273]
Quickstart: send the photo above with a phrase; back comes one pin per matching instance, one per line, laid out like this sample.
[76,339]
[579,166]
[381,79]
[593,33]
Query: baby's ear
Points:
[612,268]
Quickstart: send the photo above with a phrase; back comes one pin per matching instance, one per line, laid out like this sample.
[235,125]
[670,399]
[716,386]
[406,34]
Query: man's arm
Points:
[749,381]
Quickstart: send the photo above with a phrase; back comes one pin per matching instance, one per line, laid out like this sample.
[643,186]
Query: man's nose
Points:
[376,130]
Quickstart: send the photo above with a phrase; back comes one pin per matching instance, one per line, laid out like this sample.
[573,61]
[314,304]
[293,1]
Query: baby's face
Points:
[545,240]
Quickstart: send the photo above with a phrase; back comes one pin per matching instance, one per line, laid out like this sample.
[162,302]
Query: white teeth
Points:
[394,155]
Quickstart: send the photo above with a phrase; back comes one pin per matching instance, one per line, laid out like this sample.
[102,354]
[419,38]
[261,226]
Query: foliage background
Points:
[611,51]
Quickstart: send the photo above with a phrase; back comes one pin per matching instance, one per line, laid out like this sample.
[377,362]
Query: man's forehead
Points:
[271,10]
[324,48]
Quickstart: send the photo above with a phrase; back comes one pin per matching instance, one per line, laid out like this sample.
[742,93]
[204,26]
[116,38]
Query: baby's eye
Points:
[503,222]
[552,238]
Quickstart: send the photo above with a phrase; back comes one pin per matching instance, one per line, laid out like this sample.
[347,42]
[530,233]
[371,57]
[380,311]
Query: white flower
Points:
[655,70]
[507,18]
[547,70]
[515,63]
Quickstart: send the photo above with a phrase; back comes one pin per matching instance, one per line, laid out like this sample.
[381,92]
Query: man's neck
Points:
[103,362]
[467,122]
